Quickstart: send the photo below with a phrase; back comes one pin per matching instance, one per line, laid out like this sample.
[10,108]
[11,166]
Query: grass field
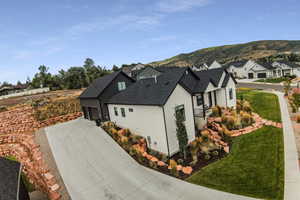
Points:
[265,104]
[254,167]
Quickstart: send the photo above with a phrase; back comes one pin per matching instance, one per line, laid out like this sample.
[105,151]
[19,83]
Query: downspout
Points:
[166,131]
[193,113]
[203,105]
[226,96]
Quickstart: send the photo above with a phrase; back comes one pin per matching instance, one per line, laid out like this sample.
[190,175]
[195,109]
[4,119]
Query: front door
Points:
[250,75]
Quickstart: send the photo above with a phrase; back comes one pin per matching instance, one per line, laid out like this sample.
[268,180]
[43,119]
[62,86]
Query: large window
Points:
[121,86]
[200,100]
[116,111]
[230,93]
[180,110]
[123,112]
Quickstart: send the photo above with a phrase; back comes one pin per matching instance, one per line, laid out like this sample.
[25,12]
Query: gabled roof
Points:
[290,64]
[213,75]
[227,78]
[10,172]
[98,86]
[150,91]
[237,64]
[267,65]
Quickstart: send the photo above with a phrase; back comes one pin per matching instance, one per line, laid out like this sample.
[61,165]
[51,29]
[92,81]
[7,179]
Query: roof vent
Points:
[167,83]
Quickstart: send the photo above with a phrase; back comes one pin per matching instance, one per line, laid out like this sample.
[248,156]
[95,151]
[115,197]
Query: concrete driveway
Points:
[93,166]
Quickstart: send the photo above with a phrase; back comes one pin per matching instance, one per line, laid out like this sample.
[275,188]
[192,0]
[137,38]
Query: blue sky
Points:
[62,33]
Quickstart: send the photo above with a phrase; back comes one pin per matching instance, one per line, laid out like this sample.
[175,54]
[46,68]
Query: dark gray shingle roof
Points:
[99,85]
[214,75]
[293,65]
[9,179]
[148,91]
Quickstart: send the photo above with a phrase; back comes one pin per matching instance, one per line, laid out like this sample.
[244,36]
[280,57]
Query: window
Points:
[199,100]
[130,109]
[121,86]
[230,93]
[123,112]
[180,110]
[116,111]
[210,99]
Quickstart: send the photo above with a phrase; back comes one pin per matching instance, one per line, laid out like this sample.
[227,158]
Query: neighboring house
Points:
[148,72]
[11,183]
[284,68]
[147,107]
[103,88]
[233,67]
[132,71]
[214,65]
[253,69]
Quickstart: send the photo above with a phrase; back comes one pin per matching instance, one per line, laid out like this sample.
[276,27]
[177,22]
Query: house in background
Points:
[11,184]
[214,65]
[103,88]
[254,69]
[233,67]
[133,70]
[148,106]
[284,68]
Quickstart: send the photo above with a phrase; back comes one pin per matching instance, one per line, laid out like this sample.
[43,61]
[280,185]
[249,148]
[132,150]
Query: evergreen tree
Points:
[181,132]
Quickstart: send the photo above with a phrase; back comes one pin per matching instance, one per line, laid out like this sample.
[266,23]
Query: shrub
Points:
[215,153]
[229,122]
[164,158]
[247,106]
[152,164]
[180,161]
[246,119]
[298,118]
[135,138]
[132,151]
[216,111]
[173,166]
[3,109]
[193,163]
[207,157]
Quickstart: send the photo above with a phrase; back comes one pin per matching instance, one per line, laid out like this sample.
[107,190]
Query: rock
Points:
[226,149]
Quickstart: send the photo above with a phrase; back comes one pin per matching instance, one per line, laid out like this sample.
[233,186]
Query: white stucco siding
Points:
[215,65]
[230,86]
[144,121]
[179,97]
[221,97]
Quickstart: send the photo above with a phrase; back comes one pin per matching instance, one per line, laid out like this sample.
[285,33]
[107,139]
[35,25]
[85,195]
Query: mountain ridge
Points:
[234,52]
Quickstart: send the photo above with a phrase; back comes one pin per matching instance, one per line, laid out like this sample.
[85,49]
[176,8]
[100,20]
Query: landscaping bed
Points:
[200,153]
[273,80]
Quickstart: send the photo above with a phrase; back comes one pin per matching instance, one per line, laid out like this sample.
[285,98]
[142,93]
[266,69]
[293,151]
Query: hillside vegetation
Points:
[224,54]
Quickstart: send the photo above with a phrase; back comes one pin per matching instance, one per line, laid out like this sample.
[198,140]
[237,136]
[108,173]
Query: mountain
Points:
[228,53]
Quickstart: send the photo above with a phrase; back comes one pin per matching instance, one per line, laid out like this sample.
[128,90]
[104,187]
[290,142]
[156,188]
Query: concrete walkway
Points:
[93,166]
[292,173]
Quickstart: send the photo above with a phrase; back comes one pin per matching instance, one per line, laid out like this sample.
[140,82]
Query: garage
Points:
[262,75]
[250,75]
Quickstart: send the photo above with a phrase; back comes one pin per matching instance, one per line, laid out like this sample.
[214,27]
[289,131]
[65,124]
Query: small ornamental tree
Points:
[181,133]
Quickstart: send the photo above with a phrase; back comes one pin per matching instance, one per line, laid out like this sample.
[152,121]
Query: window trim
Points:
[202,100]
[123,112]
[116,111]
[130,109]
[181,107]
[121,85]
[230,93]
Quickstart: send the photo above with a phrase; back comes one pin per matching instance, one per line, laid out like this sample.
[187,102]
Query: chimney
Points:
[155,79]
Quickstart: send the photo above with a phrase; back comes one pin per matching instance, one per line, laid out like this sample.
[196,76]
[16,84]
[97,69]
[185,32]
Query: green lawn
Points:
[254,167]
[272,80]
[265,104]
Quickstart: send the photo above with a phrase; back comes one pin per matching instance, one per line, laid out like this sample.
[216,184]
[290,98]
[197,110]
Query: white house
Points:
[215,65]
[284,68]
[148,107]
[253,69]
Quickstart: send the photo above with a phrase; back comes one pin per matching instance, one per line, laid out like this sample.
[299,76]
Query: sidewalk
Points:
[292,173]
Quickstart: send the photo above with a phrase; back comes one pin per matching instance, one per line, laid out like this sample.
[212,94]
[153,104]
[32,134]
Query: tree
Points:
[75,78]
[115,68]
[287,86]
[42,78]
[181,132]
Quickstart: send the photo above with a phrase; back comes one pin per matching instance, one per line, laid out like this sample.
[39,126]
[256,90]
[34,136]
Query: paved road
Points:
[291,167]
[93,166]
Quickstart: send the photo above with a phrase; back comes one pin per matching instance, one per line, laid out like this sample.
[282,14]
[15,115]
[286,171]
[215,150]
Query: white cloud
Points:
[169,6]
[122,22]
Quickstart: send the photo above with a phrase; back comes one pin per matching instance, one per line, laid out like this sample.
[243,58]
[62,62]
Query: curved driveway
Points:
[94,167]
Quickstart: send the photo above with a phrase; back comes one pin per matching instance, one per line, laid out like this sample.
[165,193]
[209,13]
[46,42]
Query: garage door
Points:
[250,75]
[262,75]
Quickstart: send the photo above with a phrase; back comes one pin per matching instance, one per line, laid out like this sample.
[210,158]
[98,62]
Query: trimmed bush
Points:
[298,118]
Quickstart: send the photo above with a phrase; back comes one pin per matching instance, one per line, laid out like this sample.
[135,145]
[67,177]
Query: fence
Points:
[28,92]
